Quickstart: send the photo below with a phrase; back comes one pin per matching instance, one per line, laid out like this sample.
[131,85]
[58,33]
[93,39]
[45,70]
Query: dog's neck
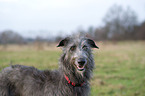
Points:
[74,77]
[73,83]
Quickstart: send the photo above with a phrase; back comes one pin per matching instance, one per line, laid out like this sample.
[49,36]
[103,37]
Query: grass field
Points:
[119,69]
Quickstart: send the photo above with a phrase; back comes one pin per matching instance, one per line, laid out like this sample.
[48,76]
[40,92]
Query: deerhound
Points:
[71,78]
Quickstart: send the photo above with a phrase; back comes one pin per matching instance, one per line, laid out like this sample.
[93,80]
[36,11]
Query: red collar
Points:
[72,83]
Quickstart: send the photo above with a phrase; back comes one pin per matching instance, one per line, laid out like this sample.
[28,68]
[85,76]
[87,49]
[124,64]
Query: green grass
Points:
[119,69]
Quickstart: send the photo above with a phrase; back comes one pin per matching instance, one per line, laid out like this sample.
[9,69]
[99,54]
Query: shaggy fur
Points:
[76,63]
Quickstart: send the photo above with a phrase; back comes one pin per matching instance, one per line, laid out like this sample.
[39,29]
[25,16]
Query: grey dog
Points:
[71,78]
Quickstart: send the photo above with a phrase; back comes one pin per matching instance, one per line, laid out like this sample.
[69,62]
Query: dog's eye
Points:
[72,48]
[85,47]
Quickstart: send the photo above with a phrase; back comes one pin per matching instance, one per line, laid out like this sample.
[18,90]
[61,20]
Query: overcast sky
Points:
[50,17]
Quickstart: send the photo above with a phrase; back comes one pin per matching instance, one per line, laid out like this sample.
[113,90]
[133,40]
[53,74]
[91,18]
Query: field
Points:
[119,69]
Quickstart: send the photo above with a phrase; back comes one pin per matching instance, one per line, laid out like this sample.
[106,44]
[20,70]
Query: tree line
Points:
[119,24]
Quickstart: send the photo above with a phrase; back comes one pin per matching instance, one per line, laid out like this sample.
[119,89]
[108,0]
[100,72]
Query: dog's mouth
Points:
[80,68]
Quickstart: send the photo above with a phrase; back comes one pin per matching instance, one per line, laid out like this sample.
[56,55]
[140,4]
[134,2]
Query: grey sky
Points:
[49,17]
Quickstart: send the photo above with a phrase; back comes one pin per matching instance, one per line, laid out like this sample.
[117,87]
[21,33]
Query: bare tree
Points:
[100,34]
[139,32]
[119,22]
[10,37]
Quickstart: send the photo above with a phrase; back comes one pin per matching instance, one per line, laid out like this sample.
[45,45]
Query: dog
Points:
[71,79]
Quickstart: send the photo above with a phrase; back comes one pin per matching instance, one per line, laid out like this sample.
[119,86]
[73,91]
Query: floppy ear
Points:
[63,42]
[92,43]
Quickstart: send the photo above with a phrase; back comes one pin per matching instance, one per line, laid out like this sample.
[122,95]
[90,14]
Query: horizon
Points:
[50,18]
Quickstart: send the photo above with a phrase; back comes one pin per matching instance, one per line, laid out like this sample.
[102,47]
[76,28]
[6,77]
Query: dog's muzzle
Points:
[81,62]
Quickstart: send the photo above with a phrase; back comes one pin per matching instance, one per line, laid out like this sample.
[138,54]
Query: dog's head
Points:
[77,53]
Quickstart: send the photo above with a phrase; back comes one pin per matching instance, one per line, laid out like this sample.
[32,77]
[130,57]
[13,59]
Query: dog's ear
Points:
[63,42]
[92,43]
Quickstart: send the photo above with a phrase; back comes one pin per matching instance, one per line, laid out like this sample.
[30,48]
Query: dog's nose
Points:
[81,61]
